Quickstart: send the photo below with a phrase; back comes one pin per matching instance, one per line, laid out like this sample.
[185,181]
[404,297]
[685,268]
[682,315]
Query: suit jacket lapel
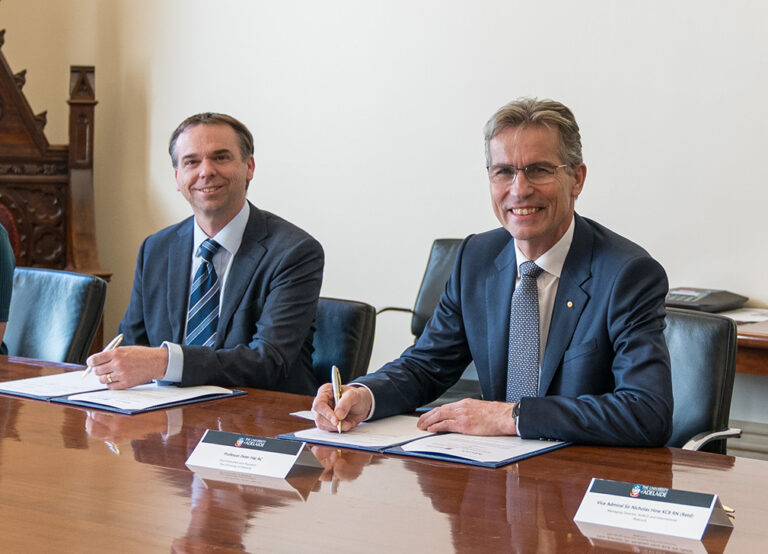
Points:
[244,265]
[179,269]
[498,297]
[569,302]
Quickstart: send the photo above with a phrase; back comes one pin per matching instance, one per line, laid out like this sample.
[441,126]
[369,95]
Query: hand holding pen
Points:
[352,403]
[114,343]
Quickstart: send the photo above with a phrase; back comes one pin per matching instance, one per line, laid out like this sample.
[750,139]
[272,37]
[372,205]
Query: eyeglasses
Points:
[538,173]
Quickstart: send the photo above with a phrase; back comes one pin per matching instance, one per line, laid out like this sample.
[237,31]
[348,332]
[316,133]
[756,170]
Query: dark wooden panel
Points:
[752,353]
[46,191]
[49,189]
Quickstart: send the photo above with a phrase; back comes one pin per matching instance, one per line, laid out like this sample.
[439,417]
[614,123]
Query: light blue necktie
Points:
[203,314]
[523,361]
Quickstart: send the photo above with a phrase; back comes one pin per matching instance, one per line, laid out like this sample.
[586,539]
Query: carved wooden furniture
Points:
[46,191]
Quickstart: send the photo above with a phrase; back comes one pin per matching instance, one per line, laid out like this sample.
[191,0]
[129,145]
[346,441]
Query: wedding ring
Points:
[109,378]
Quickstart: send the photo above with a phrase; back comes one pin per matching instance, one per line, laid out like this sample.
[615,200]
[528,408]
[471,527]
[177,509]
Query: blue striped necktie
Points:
[203,314]
[523,362]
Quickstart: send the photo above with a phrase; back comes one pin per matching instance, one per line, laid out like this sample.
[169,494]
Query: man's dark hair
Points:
[209,118]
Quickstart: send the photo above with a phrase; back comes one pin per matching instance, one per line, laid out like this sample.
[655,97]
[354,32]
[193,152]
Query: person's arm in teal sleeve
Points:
[7,264]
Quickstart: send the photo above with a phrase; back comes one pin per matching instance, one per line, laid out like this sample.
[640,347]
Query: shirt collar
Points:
[230,236]
[552,260]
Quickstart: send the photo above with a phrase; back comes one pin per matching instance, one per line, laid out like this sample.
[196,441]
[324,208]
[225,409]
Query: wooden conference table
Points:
[752,352]
[76,480]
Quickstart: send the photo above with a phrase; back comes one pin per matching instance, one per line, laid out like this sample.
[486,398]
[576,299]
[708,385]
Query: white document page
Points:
[478,448]
[373,434]
[49,386]
[747,315]
[147,396]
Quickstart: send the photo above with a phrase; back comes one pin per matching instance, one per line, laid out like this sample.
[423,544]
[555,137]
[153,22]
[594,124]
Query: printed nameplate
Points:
[233,452]
[644,508]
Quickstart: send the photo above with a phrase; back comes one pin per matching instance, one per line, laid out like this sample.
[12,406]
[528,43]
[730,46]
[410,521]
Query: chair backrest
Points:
[344,332]
[54,314]
[439,267]
[702,349]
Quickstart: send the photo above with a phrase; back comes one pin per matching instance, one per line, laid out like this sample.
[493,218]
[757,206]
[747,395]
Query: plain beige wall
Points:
[367,119]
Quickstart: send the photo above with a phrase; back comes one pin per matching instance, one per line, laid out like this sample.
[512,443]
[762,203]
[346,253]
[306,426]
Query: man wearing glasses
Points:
[562,317]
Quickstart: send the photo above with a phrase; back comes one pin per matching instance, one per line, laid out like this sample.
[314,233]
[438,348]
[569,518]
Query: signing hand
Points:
[353,407]
[471,417]
[129,366]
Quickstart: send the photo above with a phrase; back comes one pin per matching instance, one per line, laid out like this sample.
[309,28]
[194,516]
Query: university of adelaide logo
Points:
[644,491]
[239,441]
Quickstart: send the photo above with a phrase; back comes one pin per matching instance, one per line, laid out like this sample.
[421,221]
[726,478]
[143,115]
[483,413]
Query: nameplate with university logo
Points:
[249,454]
[650,509]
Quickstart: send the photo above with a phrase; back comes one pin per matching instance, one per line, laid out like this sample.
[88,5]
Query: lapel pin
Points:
[569,304]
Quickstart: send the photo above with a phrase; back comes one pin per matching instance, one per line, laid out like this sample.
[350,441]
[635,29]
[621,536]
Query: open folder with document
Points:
[399,435]
[72,387]
[51,386]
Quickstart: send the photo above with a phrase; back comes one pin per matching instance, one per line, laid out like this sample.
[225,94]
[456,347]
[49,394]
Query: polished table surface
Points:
[78,480]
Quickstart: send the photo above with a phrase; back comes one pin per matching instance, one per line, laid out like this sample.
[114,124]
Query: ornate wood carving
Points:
[48,190]
[38,210]
[33,169]
[20,79]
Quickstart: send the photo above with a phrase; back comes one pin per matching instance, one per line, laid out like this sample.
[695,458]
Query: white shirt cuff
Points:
[175,362]
[373,399]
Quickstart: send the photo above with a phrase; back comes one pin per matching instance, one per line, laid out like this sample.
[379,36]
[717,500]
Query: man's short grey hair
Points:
[525,112]
[244,136]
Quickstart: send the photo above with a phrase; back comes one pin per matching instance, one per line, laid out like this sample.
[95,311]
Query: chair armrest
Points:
[696,442]
[394,309]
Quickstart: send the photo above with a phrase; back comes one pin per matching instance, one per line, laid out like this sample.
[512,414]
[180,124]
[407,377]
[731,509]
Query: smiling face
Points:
[537,215]
[212,174]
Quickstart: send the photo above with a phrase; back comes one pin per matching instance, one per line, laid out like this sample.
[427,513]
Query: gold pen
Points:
[336,384]
[114,343]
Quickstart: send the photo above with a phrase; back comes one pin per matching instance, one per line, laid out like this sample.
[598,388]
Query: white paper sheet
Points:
[478,448]
[147,396]
[50,386]
[374,434]
[747,315]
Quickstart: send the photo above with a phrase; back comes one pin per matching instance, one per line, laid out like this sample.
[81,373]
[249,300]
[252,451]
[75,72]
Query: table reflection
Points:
[9,415]
[223,506]
[520,507]
[222,512]
[342,464]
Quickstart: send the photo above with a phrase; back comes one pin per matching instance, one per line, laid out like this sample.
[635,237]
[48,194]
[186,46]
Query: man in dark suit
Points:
[225,297]
[583,359]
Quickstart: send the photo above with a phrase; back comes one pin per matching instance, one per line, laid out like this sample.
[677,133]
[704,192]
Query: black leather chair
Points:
[702,349]
[54,314]
[344,331]
[439,266]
